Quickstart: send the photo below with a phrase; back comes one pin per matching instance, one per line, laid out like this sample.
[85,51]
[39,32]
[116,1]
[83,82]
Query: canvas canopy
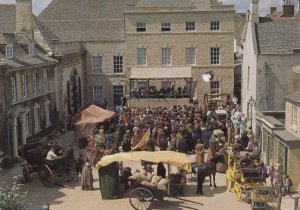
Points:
[177,159]
[161,73]
[86,121]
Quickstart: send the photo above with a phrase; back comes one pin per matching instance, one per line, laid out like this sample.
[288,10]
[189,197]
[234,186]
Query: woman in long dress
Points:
[87,177]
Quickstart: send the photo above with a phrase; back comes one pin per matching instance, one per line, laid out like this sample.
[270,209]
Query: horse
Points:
[208,169]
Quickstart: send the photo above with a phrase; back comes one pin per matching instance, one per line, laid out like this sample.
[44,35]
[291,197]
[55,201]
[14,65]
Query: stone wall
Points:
[293,166]
[22,105]
[288,119]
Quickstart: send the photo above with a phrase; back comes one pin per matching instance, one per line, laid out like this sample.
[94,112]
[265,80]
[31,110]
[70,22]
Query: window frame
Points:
[165,27]
[166,56]
[215,56]
[141,27]
[294,118]
[118,64]
[118,89]
[215,85]
[34,82]
[31,49]
[36,117]
[190,26]
[47,113]
[141,59]
[97,97]
[9,51]
[13,88]
[97,67]
[46,84]
[215,25]
[24,85]
[189,56]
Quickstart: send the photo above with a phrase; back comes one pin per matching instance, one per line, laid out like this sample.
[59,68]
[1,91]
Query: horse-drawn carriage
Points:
[246,179]
[35,155]
[142,195]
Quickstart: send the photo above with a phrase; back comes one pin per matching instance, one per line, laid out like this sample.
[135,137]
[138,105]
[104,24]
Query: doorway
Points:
[118,95]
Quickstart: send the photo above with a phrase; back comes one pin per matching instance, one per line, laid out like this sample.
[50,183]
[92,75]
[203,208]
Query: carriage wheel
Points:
[140,198]
[237,191]
[46,175]
[70,173]
[26,173]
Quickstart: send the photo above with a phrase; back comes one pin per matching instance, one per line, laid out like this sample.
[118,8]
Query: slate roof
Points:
[85,9]
[92,30]
[294,97]
[42,35]
[88,20]
[21,57]
[279,36]
[289,139]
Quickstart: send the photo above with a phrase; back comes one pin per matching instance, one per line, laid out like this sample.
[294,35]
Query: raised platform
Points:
[165,102]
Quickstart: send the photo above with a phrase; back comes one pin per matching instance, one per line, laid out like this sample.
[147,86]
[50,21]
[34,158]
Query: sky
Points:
[240,5]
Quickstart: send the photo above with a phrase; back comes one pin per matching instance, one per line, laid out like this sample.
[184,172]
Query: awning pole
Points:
[148,88]
[174,88]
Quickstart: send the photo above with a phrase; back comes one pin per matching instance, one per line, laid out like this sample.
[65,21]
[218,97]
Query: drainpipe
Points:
[266,87]
[6,112]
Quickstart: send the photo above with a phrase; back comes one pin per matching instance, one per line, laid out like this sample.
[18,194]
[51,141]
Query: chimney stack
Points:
[272,10]
[24,17]
[288,9]
[254,16]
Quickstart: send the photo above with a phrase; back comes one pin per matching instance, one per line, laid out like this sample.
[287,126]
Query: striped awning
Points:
[161,73]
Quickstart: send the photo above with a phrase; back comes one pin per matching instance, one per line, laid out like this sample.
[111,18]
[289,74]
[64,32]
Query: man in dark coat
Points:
[126,143]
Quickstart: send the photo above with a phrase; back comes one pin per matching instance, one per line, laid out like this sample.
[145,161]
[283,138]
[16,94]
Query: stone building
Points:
[270,50]
[281,138]
[28,100]
[118,36]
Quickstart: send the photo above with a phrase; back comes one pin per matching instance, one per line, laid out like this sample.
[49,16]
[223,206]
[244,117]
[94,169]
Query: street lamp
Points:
[251,103]
[208,76]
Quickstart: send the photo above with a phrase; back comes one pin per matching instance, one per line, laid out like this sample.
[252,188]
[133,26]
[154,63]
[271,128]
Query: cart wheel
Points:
[237,191]
[46,175]
[70,173]
[26,173]
[140,198]
[228,184]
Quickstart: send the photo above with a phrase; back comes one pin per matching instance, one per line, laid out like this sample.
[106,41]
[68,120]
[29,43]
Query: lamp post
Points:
[251,103]
[207,77]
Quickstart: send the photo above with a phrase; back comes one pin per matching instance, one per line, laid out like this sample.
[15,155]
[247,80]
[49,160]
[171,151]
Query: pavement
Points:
[72,197]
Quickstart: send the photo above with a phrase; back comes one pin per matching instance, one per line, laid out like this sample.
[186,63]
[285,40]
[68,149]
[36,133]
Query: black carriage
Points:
[36,162]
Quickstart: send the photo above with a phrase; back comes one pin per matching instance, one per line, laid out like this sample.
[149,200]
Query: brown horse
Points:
[208,169]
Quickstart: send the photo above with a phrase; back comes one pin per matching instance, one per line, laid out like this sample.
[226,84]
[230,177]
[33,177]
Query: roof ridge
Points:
[82,20]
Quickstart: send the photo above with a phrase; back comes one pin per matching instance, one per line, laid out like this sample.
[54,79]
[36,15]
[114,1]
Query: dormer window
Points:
[31,49]
[9,50]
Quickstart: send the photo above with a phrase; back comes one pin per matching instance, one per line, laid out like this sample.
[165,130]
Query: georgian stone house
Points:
[27,78]
[118,37]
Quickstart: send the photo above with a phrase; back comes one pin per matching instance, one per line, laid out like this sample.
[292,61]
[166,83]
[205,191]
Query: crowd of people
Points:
[187,129]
